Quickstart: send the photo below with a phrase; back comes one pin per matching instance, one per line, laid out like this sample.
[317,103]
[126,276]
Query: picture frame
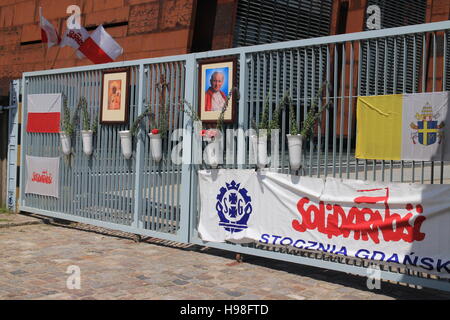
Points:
[216,79]
[114,106]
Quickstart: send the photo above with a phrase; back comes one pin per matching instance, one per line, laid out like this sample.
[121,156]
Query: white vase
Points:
[156,146]
[65,142]
[87,141]
[295,150]
[260,150]
[125,142]
[212,152]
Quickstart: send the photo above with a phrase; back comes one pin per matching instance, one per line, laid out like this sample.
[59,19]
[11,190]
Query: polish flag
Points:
[100,47]
[75,38]
[49,34]
[44,113]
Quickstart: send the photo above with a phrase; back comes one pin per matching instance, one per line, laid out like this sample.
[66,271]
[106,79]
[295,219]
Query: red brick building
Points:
[152,28]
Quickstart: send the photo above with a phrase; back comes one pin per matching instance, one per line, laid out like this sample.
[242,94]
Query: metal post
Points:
[242,110]
[187,173]
[139,157]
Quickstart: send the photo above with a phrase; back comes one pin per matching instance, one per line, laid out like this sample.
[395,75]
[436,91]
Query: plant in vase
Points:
[296,138]
[212,149]
[89,128]
[264,132]
[157,126]
[314,112]
[197,124]
[158,131]
[126,136]
[211,135]
[159,122]
[214,136]
[68,127]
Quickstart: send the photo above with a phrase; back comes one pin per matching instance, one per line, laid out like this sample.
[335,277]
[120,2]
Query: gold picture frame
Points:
[114,107]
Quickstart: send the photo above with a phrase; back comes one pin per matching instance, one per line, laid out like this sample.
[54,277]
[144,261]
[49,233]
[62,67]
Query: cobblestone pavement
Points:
[34,260]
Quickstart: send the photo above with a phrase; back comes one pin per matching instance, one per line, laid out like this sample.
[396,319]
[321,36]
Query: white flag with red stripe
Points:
[100,47]
[75,38]
[48,33]
[44,113]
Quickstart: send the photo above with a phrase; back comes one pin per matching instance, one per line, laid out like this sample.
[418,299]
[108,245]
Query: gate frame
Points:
[136,227]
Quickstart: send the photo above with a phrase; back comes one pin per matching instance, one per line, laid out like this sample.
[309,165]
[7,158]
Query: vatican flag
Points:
[403,127]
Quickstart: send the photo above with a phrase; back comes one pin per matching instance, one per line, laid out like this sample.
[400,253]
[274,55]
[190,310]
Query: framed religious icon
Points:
[115,97]
[216,80]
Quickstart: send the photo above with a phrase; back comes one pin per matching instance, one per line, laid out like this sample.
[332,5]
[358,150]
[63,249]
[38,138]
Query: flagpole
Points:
[43,44]
[57,53]
[45,56]
[56,57]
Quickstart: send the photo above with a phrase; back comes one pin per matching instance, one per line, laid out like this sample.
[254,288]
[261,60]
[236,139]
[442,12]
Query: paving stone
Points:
[295,297]
[50,292]
[18,272]
[35,259]
[234,293]
[180,282]
[184,277]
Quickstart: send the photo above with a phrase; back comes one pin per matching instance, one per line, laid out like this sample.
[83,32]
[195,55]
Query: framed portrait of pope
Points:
[217,78]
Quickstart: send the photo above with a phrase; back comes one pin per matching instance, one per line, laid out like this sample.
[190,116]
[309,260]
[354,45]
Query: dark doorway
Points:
[205,18]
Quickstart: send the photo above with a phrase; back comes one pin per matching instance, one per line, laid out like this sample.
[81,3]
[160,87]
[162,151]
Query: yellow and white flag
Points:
[403,127]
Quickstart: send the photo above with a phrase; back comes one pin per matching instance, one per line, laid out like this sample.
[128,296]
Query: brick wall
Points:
[437,10]
[154,28]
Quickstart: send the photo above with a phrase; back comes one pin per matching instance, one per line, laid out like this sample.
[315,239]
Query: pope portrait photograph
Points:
[217,78]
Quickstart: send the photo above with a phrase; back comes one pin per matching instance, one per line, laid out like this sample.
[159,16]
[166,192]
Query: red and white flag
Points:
[44,113]
[100,47]
[75,38]
[48,32]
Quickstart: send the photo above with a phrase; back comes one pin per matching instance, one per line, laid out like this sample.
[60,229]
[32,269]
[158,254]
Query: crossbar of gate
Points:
[162,200]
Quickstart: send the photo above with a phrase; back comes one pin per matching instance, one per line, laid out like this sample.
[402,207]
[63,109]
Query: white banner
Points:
[42,176]
[397,223]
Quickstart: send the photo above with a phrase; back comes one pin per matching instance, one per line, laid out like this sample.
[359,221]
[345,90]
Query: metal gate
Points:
[161,200]
[136,195]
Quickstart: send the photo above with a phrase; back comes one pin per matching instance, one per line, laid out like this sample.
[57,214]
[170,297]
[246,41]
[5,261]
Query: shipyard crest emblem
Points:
[233,207]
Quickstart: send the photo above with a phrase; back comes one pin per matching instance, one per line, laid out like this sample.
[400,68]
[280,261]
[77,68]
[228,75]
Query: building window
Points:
[393,65]
[267,21]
